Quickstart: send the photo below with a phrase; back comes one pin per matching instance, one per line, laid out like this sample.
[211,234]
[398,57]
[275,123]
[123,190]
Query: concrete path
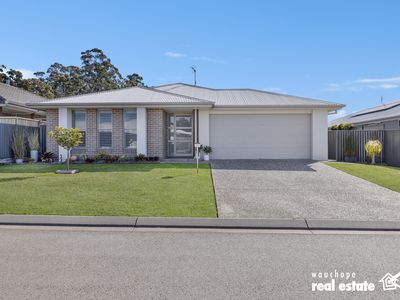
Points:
[298,189]
[76,263]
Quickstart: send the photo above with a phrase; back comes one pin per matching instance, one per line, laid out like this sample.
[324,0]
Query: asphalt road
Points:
[79,263]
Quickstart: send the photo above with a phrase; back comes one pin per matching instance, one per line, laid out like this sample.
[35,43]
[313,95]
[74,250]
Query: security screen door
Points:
[180,135]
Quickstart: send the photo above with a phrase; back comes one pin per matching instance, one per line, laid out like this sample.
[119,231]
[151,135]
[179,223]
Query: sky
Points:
[341,51]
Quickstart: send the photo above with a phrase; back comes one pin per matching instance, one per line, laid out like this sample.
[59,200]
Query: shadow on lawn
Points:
[14,179]
[83,168]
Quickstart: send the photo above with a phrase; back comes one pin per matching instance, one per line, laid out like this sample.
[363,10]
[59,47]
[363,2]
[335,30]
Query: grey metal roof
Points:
[372,115]
[125,96]
[246,97]
[16,95]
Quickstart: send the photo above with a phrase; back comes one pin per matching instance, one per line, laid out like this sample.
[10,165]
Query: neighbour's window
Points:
[79,121]
[130,128]
[105,129]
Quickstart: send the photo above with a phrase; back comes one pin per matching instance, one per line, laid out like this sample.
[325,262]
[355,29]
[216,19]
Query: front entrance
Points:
[180,135]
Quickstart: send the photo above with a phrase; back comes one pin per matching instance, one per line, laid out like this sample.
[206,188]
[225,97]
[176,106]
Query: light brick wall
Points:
[156,133]
[118,135]
[51,123]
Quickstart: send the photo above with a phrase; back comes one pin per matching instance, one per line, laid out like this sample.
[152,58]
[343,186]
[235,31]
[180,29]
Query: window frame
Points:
[99,130]
[126,130]
[83,145]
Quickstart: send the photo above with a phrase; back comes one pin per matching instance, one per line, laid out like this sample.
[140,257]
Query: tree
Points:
[67,138]
[66,80]
[133,80]
[98,71]
[36,86]
[95,74]
[373,148]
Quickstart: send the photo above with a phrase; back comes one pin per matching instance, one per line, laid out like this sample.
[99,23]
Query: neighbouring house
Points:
[166,121]
[13,103]
[382,117]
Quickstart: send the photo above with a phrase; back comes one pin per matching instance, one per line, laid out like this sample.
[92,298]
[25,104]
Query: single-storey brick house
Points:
[167,121]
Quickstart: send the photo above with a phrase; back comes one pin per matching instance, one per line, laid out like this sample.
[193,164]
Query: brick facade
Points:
[51,123]
[156,132]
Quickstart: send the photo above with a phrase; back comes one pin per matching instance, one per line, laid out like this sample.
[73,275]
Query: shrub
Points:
[334,127]
[140,157]
[343,126]
[48,157]
[123,158]
[18,143]
[87,159]
[207,149]
[373,148]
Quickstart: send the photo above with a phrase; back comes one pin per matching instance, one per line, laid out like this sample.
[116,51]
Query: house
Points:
[166,121]
[13,103]
[383,117]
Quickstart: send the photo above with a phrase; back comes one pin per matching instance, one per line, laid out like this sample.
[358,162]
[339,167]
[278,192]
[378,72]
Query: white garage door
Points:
[274,136]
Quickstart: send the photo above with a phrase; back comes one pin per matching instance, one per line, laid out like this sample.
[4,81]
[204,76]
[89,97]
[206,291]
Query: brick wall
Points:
[156,133]
[51,123]
[118,135]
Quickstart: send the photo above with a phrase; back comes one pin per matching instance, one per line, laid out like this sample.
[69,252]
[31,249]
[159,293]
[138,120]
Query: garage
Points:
[260,136]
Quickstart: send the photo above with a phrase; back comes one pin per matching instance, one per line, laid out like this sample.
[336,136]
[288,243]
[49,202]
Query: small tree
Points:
[67,138]
[373,148]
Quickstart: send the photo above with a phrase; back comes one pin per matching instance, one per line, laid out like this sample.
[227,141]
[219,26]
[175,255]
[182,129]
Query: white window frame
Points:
[99,130]
[126,130]
[80,129]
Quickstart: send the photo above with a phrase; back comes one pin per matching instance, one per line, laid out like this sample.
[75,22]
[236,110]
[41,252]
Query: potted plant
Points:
[67,138]
[373,148]
[33,141]
[18,145]
[207,150]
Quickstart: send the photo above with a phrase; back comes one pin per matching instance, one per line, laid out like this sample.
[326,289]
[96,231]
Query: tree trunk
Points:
[373,159]
[68,156]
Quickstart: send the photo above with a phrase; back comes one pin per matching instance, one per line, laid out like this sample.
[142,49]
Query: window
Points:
[105,129]
[79,121]
[130,128]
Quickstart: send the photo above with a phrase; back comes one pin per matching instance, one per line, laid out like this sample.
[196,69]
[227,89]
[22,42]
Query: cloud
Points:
[27,73]
[274,90]
[365,83]
[174,54]
[208,59]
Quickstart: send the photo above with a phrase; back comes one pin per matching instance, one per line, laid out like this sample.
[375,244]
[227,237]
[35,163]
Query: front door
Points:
[180,135]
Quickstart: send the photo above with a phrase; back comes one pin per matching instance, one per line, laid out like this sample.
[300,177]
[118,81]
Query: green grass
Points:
[168,190]
[388,177]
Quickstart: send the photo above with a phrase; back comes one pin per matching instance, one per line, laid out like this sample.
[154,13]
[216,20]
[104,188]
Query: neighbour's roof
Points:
[372,115]
[125,96]
[16,95]
[245,97]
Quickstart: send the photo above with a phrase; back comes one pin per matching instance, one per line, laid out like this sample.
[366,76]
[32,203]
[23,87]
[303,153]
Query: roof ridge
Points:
[245,89]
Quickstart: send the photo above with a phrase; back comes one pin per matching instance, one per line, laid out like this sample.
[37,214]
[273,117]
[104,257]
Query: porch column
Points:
[319,134]
[64,120]
[141,130]
[204,127]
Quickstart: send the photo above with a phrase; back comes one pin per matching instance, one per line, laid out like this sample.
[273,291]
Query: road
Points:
[92,263]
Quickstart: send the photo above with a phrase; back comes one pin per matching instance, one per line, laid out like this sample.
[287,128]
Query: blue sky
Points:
[342,51]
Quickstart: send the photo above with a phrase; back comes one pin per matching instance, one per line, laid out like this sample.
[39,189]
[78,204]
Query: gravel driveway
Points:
[298,189]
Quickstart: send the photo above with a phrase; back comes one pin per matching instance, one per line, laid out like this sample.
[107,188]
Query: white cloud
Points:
[174,54]
[27,73]
[208,59]
[274,90]
[365,83]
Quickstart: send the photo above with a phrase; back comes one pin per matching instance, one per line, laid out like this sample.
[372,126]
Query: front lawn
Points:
[168,190]
[388,177]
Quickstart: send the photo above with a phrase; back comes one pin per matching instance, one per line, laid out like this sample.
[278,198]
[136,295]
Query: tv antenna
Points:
[381,99]
[194,74]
